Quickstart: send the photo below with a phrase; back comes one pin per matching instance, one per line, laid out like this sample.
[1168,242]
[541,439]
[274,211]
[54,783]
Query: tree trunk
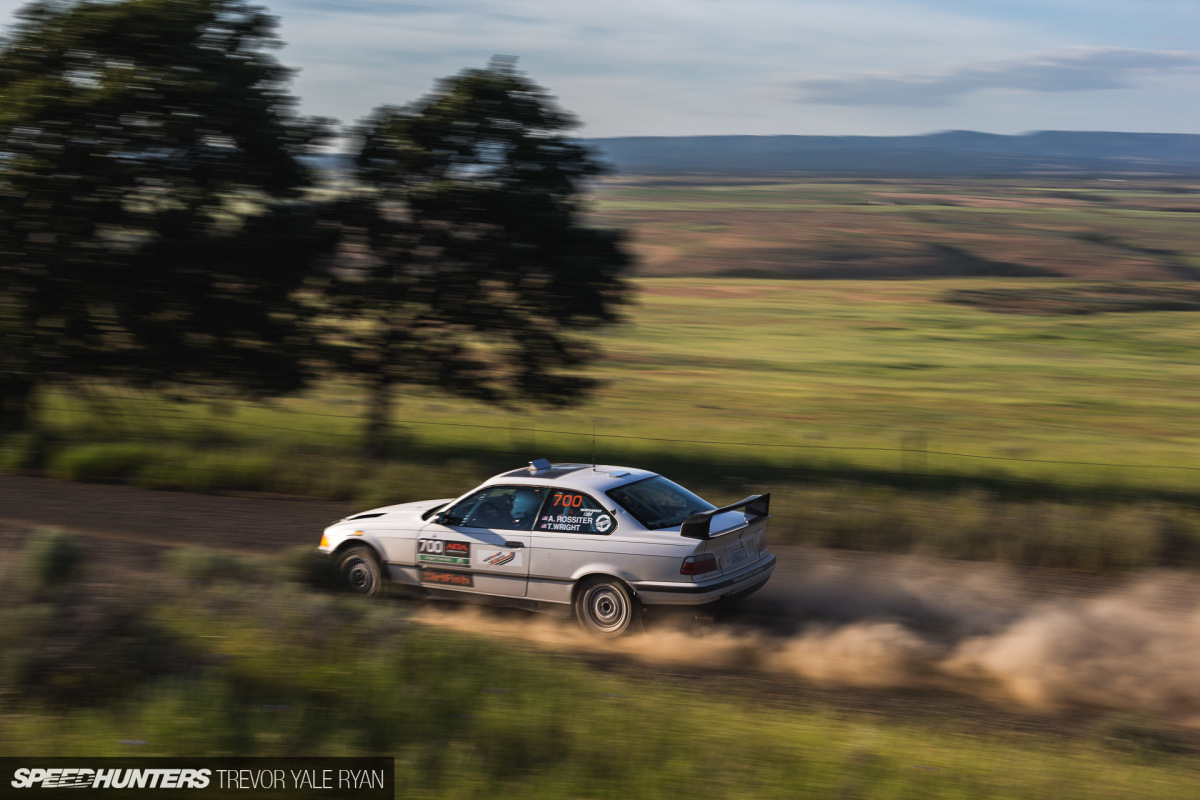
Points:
[15,402]
[379,412]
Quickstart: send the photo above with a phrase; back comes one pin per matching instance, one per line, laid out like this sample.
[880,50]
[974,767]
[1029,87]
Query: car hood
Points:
[398,511]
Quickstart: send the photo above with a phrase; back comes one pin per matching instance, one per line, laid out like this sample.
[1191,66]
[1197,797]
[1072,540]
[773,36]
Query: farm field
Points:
[842,377]
[854,228]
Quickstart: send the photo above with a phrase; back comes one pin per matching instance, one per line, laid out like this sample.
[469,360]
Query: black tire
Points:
[606,608]
[358,570]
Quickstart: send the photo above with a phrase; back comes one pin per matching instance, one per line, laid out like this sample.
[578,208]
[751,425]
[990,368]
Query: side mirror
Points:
[444,518]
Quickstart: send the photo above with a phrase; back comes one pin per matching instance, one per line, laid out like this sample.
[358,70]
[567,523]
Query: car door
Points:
[481,544]
[572,532]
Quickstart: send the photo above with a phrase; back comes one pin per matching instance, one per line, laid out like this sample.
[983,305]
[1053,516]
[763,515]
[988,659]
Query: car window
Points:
[574,512]
[659,503]
[508,508]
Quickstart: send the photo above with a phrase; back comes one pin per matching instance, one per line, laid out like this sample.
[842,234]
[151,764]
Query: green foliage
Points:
[51,557]
[165,465]
[1139,735]
[304,565]
[278,670]
[976,525]
[100,462]
[149,148]
[480,270]
[206,469]
[210,566]
[25,450]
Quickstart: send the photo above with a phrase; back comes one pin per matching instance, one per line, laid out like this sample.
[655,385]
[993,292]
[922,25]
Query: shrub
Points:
[304,565]
[101,462]
[209,566]
[51,557]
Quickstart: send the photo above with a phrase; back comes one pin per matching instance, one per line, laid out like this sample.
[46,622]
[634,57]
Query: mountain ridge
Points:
[949,153]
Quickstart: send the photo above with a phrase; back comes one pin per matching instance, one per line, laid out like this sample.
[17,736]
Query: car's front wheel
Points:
[359,571]
[606,607]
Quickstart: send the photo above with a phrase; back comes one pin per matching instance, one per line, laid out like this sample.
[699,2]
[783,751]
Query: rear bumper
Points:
[704,592]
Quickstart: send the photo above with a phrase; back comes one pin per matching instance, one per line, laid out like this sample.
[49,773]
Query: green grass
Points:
[251,664]
[815,390]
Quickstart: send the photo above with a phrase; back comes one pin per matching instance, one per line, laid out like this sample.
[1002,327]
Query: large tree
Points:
[149,170]
[474,271]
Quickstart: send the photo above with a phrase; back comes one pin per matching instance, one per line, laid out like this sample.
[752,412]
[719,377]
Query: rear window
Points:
[659,503]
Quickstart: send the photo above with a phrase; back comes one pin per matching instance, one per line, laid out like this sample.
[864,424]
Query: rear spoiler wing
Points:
[697,526]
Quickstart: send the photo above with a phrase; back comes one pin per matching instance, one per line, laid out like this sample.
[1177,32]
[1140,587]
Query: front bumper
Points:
[704,592]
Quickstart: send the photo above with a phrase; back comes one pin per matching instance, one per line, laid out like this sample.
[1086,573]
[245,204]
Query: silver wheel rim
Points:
[359,575]
[606,608]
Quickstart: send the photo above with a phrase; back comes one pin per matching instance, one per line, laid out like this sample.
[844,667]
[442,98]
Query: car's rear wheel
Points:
[359,571]
[606,608]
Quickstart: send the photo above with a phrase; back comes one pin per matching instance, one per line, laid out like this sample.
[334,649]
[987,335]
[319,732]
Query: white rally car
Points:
[600,542]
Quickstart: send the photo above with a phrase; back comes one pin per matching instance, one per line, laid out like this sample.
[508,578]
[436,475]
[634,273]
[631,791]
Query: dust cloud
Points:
[971,628]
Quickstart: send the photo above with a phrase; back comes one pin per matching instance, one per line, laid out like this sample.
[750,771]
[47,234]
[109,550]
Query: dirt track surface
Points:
[259,523]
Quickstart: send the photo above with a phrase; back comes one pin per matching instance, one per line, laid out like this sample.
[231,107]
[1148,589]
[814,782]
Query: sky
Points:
[766,67]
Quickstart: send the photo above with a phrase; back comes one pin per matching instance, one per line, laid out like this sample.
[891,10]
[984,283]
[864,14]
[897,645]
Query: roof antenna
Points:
[593,444]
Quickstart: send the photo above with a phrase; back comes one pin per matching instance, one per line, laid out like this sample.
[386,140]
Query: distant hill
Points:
[965,153]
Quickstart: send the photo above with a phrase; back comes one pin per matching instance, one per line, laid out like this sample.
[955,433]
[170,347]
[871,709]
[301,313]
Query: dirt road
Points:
[258,523]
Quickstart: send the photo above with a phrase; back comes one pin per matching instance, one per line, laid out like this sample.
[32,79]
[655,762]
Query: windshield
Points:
[658,503]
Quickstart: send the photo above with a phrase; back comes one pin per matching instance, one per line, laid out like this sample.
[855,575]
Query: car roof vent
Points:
[619,474]
[539,464]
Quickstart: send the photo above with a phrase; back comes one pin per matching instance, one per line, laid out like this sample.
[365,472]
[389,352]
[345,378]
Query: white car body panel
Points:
[539,568]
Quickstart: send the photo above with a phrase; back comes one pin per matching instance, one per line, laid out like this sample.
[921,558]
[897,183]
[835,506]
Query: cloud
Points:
[1072,70]
[381,8]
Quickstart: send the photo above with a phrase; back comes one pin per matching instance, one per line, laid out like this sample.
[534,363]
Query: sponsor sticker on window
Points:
[572,512]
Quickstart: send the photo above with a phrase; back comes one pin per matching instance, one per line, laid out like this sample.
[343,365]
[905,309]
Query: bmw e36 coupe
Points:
[596,542]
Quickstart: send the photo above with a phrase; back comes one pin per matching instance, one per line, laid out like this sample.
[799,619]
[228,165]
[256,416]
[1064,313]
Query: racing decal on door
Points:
[498,558]
[442,578]
[437,551]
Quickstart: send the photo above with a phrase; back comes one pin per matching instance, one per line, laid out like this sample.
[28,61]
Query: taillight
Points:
[698,565]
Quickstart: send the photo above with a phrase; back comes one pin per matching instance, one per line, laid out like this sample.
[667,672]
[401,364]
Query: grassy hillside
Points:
[857,228]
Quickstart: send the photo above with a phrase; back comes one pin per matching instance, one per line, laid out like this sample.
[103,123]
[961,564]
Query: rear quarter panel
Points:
[561,559]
